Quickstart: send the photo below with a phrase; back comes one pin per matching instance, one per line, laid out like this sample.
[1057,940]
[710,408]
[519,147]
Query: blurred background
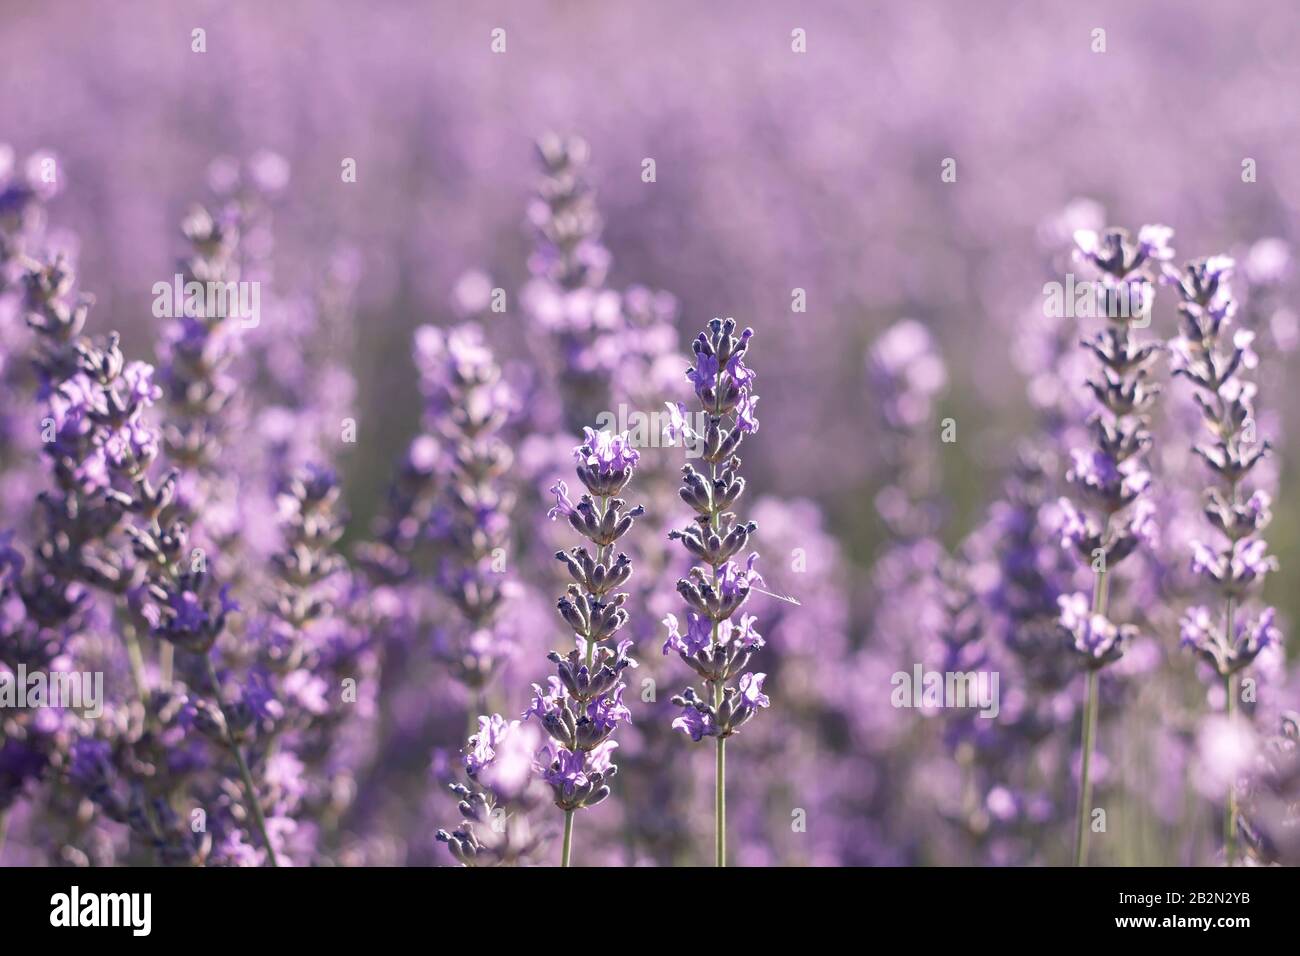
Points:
[775,170]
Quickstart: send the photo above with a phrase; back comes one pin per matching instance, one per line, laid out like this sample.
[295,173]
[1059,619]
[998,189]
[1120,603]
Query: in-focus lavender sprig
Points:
[1214,357]
[714,645]
[583,705]
[1110,516]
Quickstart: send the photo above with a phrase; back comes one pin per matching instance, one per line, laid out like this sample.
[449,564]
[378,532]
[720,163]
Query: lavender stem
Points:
[568,838]
[720,790]
[166,663]
[1085,784]
[1230,707]
[250,791]
[720,766]
[1089,733]
[136,659]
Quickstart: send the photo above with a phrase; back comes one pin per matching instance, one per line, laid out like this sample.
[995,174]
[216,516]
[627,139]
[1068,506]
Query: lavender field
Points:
[590,434]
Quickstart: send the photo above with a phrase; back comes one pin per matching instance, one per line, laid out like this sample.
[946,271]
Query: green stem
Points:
[568,838]
[136,660]
[720,767]
[1089,734]
[1085,782]
[1230,807]
[250,791]
[166,662]
[720,791]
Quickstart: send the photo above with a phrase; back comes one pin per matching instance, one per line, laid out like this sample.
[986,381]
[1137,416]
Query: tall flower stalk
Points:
[583,703]
[1214,358]
[103,449]
[713,645]
[467,403]
[1110,516]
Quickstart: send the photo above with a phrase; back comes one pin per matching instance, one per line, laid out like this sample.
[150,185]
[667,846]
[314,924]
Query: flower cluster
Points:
[1111,518]
[717,648]
[112,528]
[467,404]
[583,703]
[567,296]
[196,352]
[495,829]
[1214,356]
[316,659]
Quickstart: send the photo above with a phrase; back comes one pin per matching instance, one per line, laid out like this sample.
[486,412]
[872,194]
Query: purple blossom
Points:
[698,634]
[1205,634]
[697,724]
[482,747]
[1093,635]
[606,452]
[567,770]
[563,506]
[735,581]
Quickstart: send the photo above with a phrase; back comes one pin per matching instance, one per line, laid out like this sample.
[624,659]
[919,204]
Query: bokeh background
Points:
[776,170]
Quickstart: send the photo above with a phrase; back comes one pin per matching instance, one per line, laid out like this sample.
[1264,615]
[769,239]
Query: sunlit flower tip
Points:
[606,713]
[546,702]
[481,749]
[605,451]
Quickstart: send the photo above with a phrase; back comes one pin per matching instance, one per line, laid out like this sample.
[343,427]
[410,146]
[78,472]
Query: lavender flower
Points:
[310,650]
[102,450]
[495,828]
[567,295]
[1110,517]
[714,646]
[1214,358]
[467,404]
[583,704]
[1271,807]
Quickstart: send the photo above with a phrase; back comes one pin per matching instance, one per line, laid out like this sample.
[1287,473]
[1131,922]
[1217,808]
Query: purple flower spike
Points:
[584,703]
[1214,358]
